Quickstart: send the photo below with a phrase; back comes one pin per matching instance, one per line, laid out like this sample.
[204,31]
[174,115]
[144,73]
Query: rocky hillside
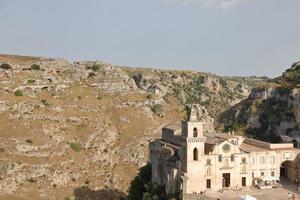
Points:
[65,126]
[272,109]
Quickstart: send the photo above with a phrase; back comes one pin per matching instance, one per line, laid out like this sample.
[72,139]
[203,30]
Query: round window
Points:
[226,148]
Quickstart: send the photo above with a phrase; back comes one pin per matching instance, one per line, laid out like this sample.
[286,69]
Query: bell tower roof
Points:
[193,114]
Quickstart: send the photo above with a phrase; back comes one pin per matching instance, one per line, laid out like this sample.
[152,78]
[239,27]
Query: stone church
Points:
[188,160]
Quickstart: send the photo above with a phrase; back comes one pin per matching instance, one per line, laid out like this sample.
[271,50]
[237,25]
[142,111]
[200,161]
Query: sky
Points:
[225,37]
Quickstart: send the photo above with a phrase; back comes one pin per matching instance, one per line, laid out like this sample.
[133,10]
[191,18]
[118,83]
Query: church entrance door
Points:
[226,180]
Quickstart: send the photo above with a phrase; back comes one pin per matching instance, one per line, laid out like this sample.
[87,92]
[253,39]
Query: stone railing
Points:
[192,140]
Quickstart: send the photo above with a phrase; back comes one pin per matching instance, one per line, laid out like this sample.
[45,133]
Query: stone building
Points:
[188,161]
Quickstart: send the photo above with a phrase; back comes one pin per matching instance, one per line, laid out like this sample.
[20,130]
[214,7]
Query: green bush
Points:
[29,141]
[75,146]
[157,109]
[95,67]
[35,67]
[5,66]
[31,81]
[149,96]
[18,93]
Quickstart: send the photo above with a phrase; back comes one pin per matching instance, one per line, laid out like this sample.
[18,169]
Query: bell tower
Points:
[193,138]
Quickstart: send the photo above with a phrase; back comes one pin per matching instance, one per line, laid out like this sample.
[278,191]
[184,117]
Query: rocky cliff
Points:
[271,111]
[64,126]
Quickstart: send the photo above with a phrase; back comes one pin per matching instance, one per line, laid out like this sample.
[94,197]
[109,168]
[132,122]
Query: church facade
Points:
[187,160]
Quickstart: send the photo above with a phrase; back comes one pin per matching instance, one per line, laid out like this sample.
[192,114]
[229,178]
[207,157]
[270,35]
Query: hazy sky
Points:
[226,37]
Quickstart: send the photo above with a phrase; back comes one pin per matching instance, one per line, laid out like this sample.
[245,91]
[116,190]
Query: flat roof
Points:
[168,144]
[252,148]
[173,126]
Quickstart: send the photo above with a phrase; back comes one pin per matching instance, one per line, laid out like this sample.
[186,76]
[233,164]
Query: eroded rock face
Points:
[296,104]
[272,110]
[262,93]
[89,123]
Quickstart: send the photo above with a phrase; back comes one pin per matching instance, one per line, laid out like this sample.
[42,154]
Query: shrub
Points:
[32,180]
[29,141]
[5,66]
[149,96]
[44,101]
[35,67]
[2,150]
[18,93]
[157,109]
[95,67]
[91,74]
[30,81]
[75,146]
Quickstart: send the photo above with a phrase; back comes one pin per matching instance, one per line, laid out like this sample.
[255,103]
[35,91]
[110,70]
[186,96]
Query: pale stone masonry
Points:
[188,160]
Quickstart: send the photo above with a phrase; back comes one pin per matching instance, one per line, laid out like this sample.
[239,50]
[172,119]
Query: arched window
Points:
[195,132]
[195,154]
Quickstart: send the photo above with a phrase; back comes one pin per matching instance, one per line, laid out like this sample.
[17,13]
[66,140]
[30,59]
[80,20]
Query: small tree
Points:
[18,93]
[149,96]
[5,66]
[35,67]
[29,141]
[157,109]
[75,146]
[31,81]
[95,67]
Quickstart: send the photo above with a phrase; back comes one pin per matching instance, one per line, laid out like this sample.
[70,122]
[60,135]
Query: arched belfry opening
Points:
[195,154]
[195,132]
[295,143]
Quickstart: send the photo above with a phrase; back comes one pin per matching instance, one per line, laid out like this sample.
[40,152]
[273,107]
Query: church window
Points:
[195,154]
[195,132]
[232,158]
[262,173]
[243,160]
[272,173]
[220,158]
[208,162]
[226,148]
